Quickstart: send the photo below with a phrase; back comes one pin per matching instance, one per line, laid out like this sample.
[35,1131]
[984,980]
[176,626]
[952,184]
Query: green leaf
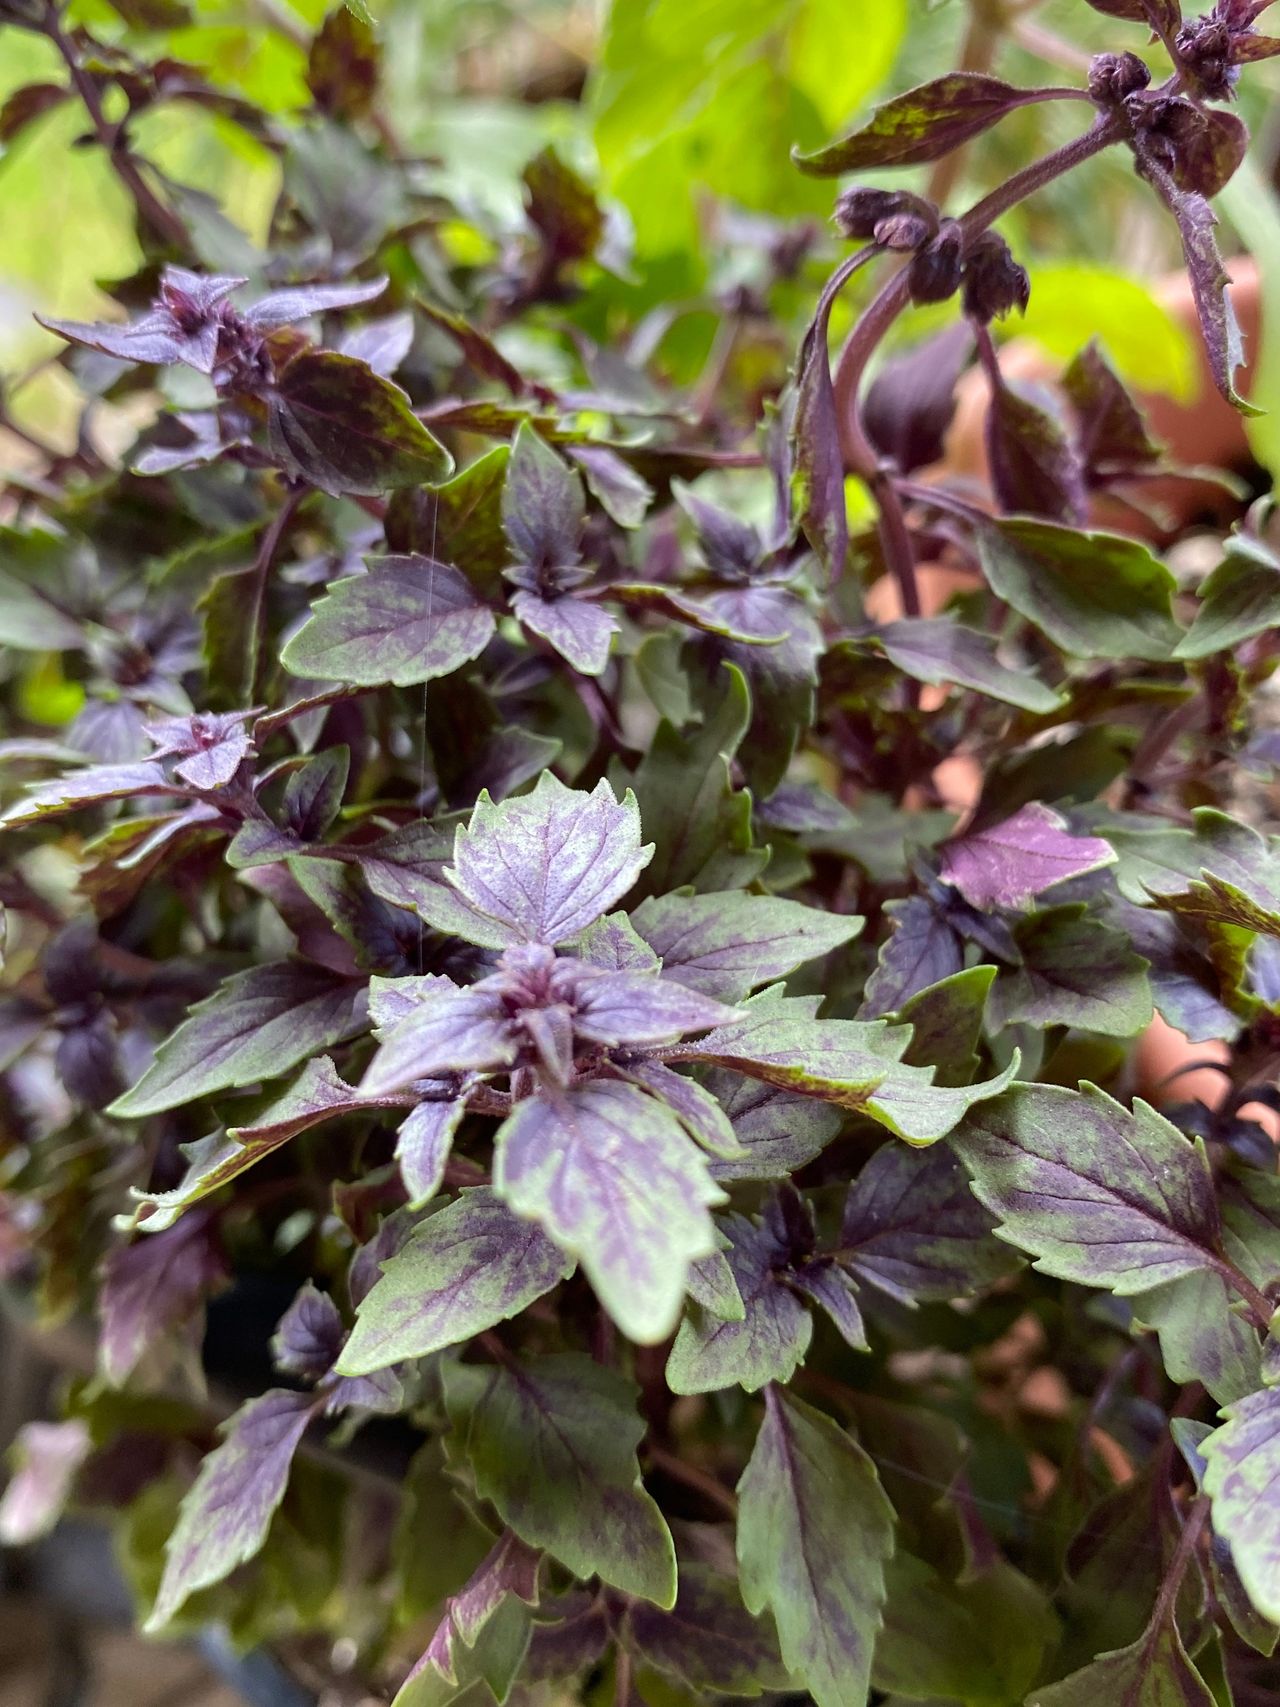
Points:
[1095,1193]
[551,1442]
[255,1026]
[408,620]
[1097,595]
[700,824]
[814,1531]
[458,522]
[727,945]
[936,650]
[713,98]
[468,1266]
[946,1024]
[854,1064]
[1239,600]
[1202,1337]
[1074,971]
[1154,1672]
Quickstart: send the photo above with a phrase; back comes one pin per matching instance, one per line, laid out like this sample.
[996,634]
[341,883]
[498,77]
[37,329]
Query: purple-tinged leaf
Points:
[614,945]
[1243,1462]
[1035,470]
[621,493]
[46,1458]
[380,344]
[1095,1193]
[545,866]
[209,747]
[478,350]
[409,620]
[921,125]
[317,1095]
[727,945]
[1154,1671]
[911,402]
[543,508]
[616,1182]
[309,1335]
[301,302]
[562,208]
[450,1030]
[468,1266]
[936,649]
[1023,856]
[551,1442]
[27,104]
[696,1109]
[579,630]
[255,1026]
[708,1641]
[1110,431]
[227,1512]
[1096,595]
[183,325]
[779,1131]
[913,1228]
[767,1344]
[90,787]
[483,1633]
[313,794]
[814,1532]
[568,1639]
[817,479]
[422,1146]
[1210,280]
[1162,16]
[827,1285]
[1202,1338]
[333,422]
[921,950]
[1075,971]
[731,547]
[637,1008]
[153,1286]
[854,1064]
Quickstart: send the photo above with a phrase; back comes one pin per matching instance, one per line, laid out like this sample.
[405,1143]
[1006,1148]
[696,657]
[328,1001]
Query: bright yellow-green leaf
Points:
[1073,302]
[709,95]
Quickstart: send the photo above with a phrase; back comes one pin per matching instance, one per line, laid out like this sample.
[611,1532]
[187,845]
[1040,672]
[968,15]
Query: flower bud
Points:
[1205,58]
[994,283]
[861,212]
[904,231]
[1113,76]
[937,269]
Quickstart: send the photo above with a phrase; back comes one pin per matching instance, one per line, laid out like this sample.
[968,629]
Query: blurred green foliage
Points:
[678,109]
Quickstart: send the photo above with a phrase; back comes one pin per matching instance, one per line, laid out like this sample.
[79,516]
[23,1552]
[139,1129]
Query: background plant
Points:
[481,867]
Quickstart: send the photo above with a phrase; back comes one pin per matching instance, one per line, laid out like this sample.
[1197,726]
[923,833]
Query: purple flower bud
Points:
[937,269]
[994,283]
[1113,76]
[1206,56]
[904,231]
[860,212]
